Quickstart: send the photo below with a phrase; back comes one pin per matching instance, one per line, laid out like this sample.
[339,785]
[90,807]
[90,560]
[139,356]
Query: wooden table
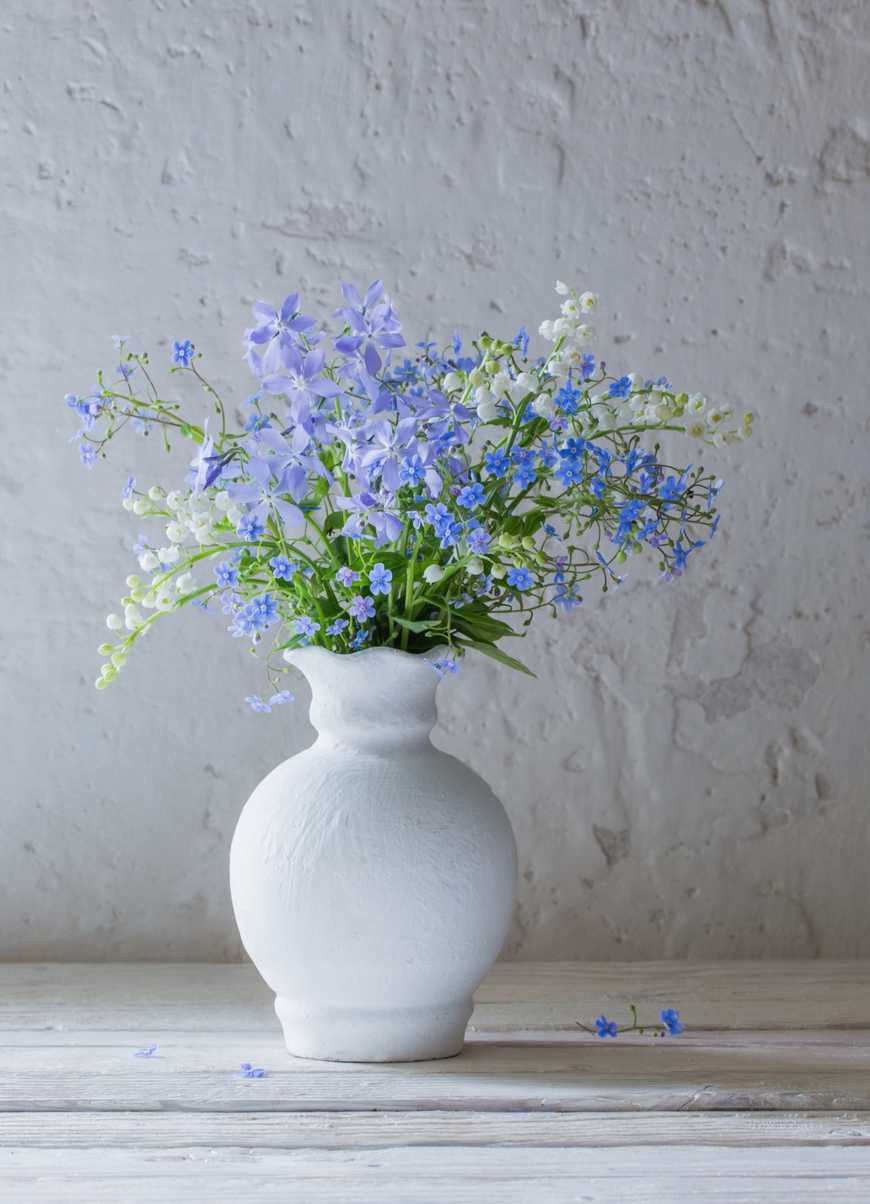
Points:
[765,1098]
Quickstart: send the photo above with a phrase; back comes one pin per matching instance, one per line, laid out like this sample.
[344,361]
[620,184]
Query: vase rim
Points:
[377,649]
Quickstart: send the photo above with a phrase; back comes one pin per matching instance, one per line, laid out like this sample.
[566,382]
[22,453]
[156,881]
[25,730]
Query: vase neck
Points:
[375,700]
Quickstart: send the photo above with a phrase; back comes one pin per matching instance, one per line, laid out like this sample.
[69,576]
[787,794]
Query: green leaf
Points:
[418,625]
[497,655]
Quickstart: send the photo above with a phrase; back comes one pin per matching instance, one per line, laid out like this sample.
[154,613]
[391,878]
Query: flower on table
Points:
[361,608]
[264,706]
[520,578]
[670,1018]
[605,1027]
[182,353]
[252,1072]
[380,580]
[87,453]
[148,1051]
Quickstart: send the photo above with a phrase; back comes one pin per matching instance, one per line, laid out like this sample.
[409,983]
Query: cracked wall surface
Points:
[687,775]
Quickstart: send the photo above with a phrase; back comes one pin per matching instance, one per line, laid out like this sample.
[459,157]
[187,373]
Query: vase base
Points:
[332,1034]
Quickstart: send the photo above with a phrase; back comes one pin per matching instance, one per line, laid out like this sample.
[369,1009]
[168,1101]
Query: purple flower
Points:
[380,580]
[182,353]
[361,608]
[412,471]
[262,496]
[587,365]
[372,322]
[520,578]
[278,329]
[346,576]
[471,496]
[282,568]
[255,616]
[306,626]
[337,627]
[300,377]
[605,1027]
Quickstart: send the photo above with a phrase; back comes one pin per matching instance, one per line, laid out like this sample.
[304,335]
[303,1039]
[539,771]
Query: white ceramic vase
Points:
[372,876]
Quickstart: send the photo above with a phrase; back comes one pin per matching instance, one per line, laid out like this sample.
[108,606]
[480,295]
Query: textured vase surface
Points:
[372,875]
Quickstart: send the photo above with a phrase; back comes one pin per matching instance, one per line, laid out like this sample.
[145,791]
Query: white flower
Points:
[545,330]
[433,573]
[127,503]
[697,403]
[474,566]
[570,308]
[148,562]
[174,499]
[140,506]
[114,622]
[562,288]
[588,302]
[132,618]
[487,412]
[543,406]
[175,533]
[563,326]
[184,583]
[482,396]
[582,335]
[500,383]
[716,416]
[155,493]
[452,381]
[170,554]
[222,500]
[164,599]
[697,429]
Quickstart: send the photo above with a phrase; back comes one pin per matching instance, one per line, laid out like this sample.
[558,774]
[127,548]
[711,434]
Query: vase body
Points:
[372,876]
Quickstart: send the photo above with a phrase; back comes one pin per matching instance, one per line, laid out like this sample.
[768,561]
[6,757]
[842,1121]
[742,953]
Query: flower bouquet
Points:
[368,515]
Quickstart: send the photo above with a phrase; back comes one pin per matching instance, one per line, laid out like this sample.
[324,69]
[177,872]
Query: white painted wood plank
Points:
[722,995]
[432,1176]
[374,1130]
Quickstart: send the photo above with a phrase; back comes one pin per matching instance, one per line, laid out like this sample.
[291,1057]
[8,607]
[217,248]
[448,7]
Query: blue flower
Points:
[282,568]
[621,387]
[525,475]
[380,580]
[182,353]
[256,703]
[148,1052]
[361,608]
[361,637]
[670,1018]
[471,496]
[252,1072]
[587,365]
[605,1027]
[445,664]
[87,453]
[479,540]
[522,341]
[672,487]
[346,577]
[226,574]
[497,463]
[250,528]
[568,398]
[306,626]
[337,627]
[412,471]
[129,488]
[520,578]
[570,472]
[573,449]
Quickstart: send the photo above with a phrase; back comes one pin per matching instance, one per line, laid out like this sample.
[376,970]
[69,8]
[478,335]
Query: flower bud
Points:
[562,288]
[498,571]
[175,532]
[140,506]
[148,562]
[474,566]
[133,580]
[487,412]
[507,541]
[114,622]
[452,381]
[155,493]
[106,649]
[173,499]
[118,659]
[433,573]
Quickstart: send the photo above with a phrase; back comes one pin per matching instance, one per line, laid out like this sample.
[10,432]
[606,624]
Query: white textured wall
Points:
[688,774]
